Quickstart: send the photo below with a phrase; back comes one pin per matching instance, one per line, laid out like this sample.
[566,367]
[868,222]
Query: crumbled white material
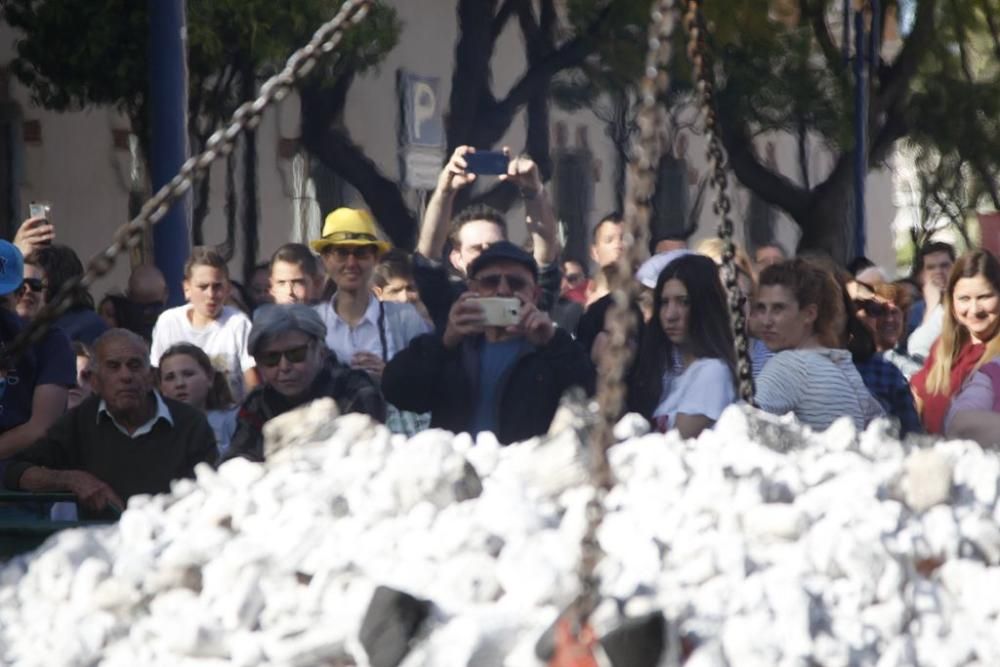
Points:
[839,549]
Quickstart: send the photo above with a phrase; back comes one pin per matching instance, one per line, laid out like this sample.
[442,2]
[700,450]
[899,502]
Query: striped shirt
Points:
[819,385]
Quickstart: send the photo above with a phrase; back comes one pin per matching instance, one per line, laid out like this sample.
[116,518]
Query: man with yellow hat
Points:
[361,331]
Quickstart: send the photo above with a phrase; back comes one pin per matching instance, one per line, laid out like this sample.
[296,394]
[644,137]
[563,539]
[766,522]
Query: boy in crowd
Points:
[295,276]
[206,321]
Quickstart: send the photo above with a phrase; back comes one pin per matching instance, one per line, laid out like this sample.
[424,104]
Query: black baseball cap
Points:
[503,251]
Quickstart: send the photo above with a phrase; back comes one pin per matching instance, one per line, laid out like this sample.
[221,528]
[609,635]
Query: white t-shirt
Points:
[224,341]
[919,344]
[818,385]
[223,423]
[345,341]
[704,388]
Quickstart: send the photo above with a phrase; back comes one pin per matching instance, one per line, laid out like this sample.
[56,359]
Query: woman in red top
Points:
[968,336]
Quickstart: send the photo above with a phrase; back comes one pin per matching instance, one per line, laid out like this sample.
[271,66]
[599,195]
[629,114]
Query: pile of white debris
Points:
[757,544]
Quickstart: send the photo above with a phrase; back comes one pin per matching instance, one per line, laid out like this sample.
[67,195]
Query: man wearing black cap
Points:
[477,377]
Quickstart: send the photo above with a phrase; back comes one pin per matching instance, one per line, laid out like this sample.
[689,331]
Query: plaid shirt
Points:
[889,386]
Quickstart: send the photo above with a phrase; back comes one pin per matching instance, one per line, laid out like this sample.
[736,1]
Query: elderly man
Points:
[124,440]
[478,377]
[296,368]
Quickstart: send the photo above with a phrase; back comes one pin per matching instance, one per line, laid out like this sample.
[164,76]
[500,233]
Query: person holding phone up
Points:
[440,280]
[501,365]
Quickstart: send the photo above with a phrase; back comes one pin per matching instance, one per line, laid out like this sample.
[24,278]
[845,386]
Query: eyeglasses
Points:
[35,284]
[575,278]
[345,251]
[295,355]
[492,281]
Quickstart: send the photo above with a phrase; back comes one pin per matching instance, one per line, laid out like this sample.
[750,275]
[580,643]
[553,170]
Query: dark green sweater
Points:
[147,464]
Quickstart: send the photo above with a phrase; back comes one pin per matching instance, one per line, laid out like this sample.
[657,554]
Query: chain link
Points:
[220,144]
[621,320]
[704,78]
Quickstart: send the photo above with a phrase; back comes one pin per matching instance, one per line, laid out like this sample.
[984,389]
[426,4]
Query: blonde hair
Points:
[954,336]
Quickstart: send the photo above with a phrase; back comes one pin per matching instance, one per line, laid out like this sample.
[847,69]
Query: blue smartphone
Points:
[486,163]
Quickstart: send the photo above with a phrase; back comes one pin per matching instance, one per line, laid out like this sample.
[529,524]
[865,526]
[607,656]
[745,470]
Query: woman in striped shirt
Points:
[800,314]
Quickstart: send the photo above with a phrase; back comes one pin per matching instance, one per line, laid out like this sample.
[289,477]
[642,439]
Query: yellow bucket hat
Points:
[349,227]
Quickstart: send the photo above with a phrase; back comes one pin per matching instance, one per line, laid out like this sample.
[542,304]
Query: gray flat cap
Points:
[271,320]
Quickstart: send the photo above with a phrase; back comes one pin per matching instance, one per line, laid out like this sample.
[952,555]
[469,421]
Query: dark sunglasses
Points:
[359,251]
[492,281]
[871,307]
[295,355]
[575,278]
[34,284]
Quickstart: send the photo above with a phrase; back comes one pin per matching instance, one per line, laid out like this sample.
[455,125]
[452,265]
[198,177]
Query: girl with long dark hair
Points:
[686,371]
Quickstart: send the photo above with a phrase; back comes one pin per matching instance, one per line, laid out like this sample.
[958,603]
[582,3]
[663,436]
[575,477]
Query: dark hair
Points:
[582,265]
[394,263]
[202,255]
[476,213]
[930,248]
[859,264]
[61,265]
[855,336]
[811,285]
[710,333]
[219,397]
[296,253]
[614,218]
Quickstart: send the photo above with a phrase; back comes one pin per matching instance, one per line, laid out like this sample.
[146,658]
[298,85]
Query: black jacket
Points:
[428,377]
[354,391]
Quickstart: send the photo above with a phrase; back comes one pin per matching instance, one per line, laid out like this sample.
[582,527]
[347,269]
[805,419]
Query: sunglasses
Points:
[34,284]
[871,307]
[492,281]
[575,278]
[295,355]
[359,251]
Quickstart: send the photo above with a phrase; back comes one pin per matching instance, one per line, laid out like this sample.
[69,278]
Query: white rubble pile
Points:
[844,550]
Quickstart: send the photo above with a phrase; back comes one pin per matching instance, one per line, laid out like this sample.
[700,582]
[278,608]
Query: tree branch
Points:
[503,15]
[834,59]
[895,80]
[991,23]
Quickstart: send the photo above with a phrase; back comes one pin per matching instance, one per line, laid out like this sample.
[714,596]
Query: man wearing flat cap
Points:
[296,368]
[477,377]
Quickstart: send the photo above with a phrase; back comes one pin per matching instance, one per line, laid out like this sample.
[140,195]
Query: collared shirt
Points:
[162,412]
[346,340]
[889,386]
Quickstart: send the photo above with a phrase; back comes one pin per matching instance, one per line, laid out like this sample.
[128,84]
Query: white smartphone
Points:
[500,311]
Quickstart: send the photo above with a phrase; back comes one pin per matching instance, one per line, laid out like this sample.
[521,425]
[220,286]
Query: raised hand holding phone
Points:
[37,231]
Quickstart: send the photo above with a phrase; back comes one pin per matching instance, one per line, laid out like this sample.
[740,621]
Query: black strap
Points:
[381,332]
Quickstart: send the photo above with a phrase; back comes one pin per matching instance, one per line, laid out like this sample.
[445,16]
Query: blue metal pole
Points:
[860,133]
[168,141]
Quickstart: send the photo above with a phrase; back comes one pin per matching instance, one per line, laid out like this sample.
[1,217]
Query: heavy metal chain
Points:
[704,78]
[220,144]
[621,321]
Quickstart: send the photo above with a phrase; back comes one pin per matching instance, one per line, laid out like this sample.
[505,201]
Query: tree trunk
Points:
[251,198]
[331,145]
[826,225]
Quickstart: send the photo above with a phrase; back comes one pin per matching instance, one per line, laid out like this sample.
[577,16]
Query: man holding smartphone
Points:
[476,228]
[481,375]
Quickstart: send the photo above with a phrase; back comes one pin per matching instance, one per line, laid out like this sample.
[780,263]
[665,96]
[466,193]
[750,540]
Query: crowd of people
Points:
[470,333]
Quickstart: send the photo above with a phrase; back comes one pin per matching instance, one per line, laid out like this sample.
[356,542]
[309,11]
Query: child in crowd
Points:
[393,281]
[971,306]
[686,375]
[800,314]
[84,371]
[186,375]
[295,276]
[220,330]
